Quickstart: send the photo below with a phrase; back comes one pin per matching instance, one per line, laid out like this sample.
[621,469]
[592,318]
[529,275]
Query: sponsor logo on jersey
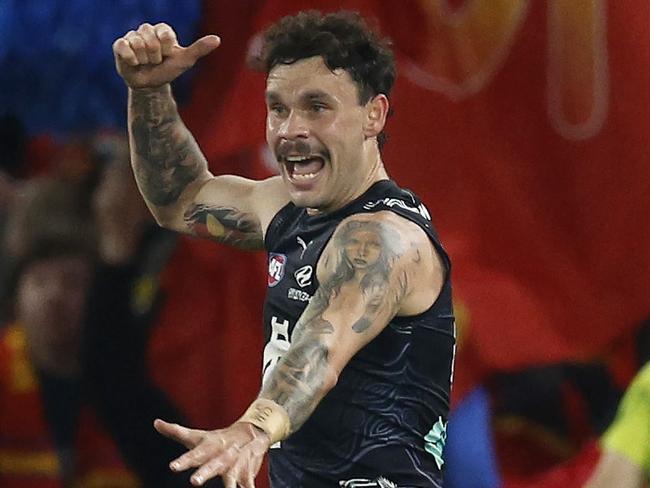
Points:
[277,263]
[304,245]
[299,295]
[303,275]
[380,482]
[396,202]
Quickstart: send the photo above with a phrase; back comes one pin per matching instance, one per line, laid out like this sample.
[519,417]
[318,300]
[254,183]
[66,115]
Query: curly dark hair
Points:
[343,39]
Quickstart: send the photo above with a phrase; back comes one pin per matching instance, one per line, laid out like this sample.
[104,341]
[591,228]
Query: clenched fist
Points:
[151,56]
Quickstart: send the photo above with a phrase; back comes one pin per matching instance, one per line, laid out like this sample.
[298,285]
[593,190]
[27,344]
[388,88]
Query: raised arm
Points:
[171,172]
[375,267]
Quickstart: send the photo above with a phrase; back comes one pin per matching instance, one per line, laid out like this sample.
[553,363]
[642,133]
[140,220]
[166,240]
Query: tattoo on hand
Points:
[225,225]
[165,157]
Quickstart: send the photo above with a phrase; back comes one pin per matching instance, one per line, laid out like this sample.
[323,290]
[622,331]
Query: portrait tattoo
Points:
[363,254]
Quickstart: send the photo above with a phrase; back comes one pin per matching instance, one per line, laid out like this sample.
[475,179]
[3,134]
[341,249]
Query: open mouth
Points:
[304,168]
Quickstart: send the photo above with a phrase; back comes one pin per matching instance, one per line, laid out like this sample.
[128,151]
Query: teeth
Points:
[297,159]
[304,177]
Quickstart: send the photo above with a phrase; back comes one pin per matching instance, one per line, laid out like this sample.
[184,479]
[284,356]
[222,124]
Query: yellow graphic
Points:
[578,77]
[143,293]
[23,377]
[215,228]
[468,46]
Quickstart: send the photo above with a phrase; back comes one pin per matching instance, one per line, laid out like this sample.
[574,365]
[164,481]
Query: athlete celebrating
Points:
[358,316]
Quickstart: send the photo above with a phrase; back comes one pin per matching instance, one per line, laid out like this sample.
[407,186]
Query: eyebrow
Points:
[271,96]
[316,95]
[311,95]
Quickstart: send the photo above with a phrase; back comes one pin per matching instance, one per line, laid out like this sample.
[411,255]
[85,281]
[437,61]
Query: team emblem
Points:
[277,263]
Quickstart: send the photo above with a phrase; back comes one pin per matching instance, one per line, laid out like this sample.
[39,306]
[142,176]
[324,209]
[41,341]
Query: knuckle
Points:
[137,42]
[166,35]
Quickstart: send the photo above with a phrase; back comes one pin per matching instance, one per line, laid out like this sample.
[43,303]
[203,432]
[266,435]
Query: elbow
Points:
[330,379]
[168,218]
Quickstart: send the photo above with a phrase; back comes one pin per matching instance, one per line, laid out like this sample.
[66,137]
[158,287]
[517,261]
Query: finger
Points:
[229,481]
[152,44]
[214,467]
[122,51]
[167,38]
[193,458]
[138,45]
[188,437]
[238,471]
[248,480]
[202,47]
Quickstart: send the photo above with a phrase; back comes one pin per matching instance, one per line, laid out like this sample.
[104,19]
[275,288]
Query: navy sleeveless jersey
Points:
[384,423]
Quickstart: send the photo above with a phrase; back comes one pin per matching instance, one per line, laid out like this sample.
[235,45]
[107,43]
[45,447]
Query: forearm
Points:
[300,381]
[165,157]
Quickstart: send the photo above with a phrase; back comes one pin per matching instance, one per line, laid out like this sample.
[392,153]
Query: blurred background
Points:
[523,124]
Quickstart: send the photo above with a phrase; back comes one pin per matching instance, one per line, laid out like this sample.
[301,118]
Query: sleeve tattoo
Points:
[364,254]
[166,157]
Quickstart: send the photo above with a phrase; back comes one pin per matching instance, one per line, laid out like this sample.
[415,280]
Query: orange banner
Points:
[524,126]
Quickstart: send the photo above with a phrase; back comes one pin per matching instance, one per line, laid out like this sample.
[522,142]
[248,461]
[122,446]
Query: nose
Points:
[363,250]
[294,126]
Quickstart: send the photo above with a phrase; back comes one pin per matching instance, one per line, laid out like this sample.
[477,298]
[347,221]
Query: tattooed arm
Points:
[370,271]
[171,171]
[375,267]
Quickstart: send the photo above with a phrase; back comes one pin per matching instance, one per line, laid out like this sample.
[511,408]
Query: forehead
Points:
[309,75]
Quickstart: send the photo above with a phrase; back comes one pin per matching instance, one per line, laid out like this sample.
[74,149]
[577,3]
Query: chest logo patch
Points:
[277,263]
[303,276]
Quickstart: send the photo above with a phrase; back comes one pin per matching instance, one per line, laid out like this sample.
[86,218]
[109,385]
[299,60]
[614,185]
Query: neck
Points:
[371,159]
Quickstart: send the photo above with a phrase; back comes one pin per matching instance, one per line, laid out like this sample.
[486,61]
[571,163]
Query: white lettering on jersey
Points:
[396,202]
[278,344]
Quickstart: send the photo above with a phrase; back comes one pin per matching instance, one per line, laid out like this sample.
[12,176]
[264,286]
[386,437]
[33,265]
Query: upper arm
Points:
[375,266]
[232,210]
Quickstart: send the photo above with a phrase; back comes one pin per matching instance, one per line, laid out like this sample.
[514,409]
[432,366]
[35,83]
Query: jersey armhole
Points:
[274,228]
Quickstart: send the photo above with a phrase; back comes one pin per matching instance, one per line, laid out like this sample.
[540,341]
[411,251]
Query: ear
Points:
[376,113]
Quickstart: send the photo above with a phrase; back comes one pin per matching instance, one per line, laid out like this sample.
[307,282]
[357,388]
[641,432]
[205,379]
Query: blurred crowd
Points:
[101,330]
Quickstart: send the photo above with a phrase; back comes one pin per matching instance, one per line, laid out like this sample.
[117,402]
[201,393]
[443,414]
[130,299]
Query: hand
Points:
[151,56]
[234,453]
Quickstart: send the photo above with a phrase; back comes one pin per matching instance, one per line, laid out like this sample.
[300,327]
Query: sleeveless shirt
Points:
[384,423]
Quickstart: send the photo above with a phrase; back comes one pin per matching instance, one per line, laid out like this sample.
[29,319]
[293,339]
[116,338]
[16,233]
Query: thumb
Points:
[202,47]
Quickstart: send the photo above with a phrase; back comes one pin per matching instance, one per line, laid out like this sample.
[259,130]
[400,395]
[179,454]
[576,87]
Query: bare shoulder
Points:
[393,247]
[268,198]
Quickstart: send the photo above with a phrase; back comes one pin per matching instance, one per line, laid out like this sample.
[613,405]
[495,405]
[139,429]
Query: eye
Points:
[277,109]
[318,107]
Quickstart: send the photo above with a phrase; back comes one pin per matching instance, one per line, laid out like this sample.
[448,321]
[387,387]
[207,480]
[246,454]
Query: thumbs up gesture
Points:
[151,56]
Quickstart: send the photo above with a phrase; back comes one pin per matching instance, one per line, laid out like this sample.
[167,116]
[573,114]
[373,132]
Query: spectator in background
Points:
[157,340]
[615,454]
[625,458]
[122,309]
[48,435]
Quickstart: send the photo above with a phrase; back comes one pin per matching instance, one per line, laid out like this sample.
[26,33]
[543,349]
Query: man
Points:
[49,435]
[358,316]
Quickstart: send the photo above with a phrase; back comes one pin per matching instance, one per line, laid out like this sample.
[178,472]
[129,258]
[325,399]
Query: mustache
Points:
[299,148]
